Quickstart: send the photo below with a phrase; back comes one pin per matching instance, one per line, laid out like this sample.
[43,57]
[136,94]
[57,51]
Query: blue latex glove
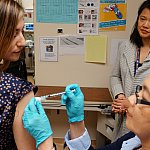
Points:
[74,103]
[36,122]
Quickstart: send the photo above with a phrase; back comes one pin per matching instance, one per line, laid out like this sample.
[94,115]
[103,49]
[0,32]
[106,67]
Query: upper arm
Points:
[23,139]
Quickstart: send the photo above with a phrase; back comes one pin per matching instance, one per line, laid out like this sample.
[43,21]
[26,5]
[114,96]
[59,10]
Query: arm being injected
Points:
[37,124]
[32,118]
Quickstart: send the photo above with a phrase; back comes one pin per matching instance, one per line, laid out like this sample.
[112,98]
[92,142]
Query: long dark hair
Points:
[10,13]
[135,37]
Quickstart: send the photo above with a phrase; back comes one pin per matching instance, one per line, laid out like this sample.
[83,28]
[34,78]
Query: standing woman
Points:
[132,64]
[15,93]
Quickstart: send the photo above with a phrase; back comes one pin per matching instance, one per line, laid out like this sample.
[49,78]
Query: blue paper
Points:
[57,11]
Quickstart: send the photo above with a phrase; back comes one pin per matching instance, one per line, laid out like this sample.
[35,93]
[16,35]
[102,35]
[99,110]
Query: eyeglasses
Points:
[138,100]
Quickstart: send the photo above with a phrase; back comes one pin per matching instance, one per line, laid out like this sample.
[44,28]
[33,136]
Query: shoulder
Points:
[15,86]
[9,79]
[126,46]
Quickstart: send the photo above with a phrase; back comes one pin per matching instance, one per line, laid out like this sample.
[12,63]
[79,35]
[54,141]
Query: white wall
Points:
[27,4]
[73,69]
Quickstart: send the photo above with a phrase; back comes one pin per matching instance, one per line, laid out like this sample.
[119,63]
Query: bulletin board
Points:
[73,68]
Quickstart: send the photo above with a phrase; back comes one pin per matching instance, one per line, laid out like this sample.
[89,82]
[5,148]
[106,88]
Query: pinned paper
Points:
[48,48]
[57,11]
[95,48]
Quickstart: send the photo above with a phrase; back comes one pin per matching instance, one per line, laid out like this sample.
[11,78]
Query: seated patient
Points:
[77,138]
[15,93]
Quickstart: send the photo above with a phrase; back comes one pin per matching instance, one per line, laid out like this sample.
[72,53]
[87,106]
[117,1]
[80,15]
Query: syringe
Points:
[43,98]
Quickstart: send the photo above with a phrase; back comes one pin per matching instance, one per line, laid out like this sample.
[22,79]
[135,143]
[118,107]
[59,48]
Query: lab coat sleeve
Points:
[83,142]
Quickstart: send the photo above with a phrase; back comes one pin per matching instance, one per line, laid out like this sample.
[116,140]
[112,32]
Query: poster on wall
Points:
[57,11]
[88,17]
[71,45]
[112,15]
[48,49]
[95,48]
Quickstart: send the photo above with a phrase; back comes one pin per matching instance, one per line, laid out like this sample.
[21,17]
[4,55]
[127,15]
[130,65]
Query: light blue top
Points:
[131,143]
[83,142]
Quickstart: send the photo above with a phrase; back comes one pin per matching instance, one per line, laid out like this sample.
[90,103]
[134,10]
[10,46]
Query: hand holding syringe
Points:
[74,105]
[43,98]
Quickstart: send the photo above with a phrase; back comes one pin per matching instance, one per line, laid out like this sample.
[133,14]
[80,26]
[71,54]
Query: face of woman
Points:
[138,115]
[17,43]
[144,24]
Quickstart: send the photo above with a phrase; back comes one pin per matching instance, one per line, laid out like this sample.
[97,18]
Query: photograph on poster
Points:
[87,16]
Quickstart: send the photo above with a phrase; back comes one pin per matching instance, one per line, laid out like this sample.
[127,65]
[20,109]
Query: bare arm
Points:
[78,136]
[77,129]
[23,139]
[47,144]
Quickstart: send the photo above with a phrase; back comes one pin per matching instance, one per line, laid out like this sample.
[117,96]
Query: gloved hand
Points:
[74,103]
[36,122]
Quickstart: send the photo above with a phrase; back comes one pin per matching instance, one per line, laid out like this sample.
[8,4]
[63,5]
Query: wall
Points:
[73,69]
[28,4]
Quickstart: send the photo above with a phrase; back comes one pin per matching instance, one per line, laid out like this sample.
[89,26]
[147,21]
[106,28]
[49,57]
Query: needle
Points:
[43,98]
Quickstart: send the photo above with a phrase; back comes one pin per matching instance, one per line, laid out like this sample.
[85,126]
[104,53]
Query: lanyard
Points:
[137,62]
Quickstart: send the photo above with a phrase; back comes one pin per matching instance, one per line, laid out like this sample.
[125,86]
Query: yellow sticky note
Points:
[95,48]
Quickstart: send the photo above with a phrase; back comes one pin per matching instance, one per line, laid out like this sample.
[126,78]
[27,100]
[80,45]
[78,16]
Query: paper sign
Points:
[48,49]
[95,48]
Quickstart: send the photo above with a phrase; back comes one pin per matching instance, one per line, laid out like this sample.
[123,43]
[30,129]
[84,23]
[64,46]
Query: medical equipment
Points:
[28,27]
[44,97]
[105,109]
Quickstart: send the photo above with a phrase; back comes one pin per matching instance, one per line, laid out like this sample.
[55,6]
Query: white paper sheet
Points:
[48,49]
